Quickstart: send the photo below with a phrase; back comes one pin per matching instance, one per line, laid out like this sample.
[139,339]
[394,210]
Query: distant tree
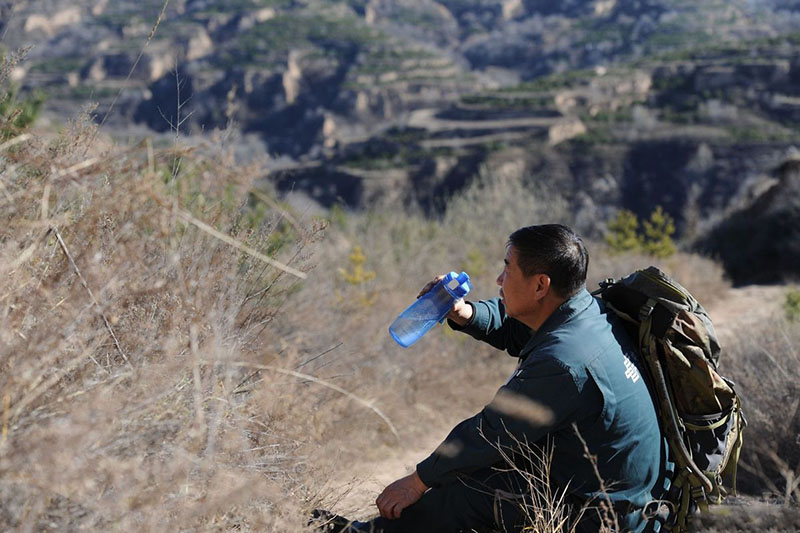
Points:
[358,278]
[791,306]
[658,231]
[622,235]
[653,238]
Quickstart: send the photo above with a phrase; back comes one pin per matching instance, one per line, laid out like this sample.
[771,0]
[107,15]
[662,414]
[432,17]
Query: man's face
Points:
[515,288]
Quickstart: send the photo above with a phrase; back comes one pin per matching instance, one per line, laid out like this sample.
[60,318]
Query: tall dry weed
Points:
[764,361]
[546,508]
[144,387]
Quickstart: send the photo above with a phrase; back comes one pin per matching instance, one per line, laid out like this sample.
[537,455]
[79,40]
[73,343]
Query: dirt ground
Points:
[744,306]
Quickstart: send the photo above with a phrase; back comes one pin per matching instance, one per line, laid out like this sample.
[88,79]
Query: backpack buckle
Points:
[658,509]
[606,283]
[699,494]
[647,309]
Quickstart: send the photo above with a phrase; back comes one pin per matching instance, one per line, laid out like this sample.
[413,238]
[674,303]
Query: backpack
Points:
[698,409]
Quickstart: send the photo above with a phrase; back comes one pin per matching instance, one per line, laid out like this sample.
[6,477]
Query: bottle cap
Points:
[457,285]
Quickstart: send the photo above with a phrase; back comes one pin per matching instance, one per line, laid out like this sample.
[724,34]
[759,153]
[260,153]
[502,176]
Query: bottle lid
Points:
[457,285]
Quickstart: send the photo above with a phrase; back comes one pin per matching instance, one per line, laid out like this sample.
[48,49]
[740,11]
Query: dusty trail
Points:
[742,307]
[738,309]
[359,503]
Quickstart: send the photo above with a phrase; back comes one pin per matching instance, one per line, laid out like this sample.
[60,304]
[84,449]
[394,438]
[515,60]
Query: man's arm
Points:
[399,495]
[488,322]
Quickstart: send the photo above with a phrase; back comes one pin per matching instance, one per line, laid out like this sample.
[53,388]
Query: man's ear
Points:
[541,285]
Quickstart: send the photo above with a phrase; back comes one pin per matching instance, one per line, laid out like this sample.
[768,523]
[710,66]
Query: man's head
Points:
[554,250]
[544,266]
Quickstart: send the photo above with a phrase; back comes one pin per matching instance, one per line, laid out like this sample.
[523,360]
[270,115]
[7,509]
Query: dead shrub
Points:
[143,385]
[764,361]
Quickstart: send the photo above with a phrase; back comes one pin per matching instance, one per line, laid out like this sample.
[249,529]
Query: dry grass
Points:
[139,359]
[546,510]
[702,277]
[765,363]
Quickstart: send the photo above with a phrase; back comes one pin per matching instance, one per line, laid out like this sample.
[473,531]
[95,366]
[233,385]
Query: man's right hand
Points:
[461,311]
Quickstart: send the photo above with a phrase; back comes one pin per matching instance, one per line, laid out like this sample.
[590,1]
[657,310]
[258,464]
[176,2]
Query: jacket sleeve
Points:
[540,398]
[490,324]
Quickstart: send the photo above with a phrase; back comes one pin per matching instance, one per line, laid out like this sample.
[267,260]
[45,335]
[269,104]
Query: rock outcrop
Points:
[198,45]
[761,243]
[564,130]
[51,24]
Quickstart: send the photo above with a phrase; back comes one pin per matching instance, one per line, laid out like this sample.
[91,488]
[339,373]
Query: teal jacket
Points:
[583,378]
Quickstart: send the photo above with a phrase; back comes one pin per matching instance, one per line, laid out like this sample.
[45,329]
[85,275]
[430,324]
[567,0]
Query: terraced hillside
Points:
[309,75]
[610,103]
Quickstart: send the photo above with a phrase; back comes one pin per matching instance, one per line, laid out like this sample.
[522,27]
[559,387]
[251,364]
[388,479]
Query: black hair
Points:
[555,250]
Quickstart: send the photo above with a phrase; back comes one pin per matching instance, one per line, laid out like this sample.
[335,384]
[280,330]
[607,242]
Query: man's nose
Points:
[499,280]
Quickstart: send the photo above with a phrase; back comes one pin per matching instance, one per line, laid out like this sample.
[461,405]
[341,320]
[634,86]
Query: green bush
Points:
[658,231]
[791,306]
[622,235]
[653,236]
[17,113]
[358,278]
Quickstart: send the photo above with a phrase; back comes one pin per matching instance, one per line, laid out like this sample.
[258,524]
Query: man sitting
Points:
[578,390]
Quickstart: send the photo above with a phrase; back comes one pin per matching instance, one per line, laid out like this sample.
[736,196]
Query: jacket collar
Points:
[563,314]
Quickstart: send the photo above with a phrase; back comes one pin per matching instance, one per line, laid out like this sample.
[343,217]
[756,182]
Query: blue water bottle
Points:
[429,309]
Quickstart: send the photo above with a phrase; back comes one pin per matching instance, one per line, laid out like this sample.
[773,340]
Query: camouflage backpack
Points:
[699,411]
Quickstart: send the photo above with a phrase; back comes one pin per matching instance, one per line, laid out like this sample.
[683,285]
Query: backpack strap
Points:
[689,497]
[673,426]
[736,447]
